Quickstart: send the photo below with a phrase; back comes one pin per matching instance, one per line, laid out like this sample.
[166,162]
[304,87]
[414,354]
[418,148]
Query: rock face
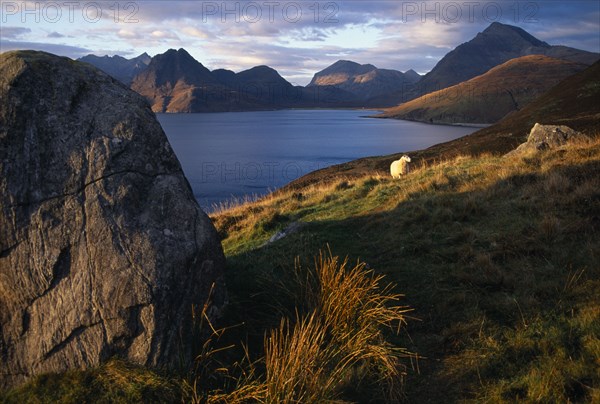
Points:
[103,248]
[543,137]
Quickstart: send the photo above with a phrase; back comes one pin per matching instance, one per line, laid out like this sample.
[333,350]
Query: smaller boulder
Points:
[544,137]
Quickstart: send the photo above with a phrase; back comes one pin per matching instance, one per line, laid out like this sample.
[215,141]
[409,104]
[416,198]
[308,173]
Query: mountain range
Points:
[119,67]
[175,82]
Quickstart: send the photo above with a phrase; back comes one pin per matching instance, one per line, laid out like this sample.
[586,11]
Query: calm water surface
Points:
[235,154]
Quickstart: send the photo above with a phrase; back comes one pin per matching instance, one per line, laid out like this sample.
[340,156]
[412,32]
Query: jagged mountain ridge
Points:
[119,67]
[175,82]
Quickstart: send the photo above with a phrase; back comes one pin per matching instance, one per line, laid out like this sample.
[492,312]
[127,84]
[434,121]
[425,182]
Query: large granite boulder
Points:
[543,137]
[103,248]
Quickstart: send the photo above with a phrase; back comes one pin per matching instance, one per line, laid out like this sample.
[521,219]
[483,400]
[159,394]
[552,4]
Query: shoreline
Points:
[374,110]
[461,124]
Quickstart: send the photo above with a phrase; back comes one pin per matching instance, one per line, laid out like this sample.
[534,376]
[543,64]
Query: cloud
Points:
[402,25]
[55,35]
[13,32]
[196,33]
[159,34]
[310,34]
[390,34]
[128,34]
[73,52]
[147,34]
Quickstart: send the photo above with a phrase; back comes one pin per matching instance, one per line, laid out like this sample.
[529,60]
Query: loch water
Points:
[238,154]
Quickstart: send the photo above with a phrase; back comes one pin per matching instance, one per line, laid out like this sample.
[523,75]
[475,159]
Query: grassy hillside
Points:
[497,257]
[488,98]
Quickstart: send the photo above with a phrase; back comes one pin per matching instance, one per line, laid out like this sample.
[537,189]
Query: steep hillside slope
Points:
[488,98]
[496,258]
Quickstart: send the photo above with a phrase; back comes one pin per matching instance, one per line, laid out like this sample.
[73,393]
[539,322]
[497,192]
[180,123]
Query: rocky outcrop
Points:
[543,137]
[103,248]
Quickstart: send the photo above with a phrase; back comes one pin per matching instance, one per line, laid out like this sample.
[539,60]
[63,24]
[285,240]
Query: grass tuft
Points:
[336,343]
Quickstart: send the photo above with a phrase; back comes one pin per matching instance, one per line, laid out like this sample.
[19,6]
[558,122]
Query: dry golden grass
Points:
[495,233]
[250,224]
[336,339]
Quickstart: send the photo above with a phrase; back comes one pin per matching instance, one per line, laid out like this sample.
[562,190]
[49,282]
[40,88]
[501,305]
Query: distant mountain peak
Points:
[262,67]
[412,76]
[498,26]
[352,65]
[143,56]
[262,75]
[497,44]
[175,66]
[345,62]
[144,59]
[346,68]
[179,59]
[506,30]
[179,52]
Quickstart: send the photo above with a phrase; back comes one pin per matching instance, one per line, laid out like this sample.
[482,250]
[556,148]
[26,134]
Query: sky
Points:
[297,38]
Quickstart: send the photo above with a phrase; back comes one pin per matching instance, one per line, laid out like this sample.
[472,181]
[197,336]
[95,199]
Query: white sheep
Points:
[400,167]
